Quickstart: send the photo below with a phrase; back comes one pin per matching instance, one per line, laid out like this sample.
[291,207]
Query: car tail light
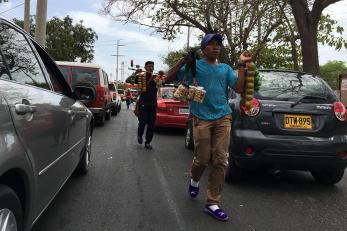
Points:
[114,95]
[249,151]
[343,155]
[255,109]
[162,106]
[340,111]
[100,94]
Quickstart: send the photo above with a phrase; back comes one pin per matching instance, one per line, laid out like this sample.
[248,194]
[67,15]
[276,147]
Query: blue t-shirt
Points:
[215,79]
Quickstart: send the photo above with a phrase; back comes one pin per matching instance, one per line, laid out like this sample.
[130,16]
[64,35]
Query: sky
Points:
[138,43]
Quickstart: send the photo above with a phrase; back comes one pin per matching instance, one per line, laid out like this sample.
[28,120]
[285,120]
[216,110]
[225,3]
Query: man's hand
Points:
[246,57]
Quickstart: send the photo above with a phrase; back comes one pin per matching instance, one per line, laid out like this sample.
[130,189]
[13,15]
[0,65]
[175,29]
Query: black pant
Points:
[147,117]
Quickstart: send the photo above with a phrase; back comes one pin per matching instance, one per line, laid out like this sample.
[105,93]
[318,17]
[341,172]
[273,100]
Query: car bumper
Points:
[175,121]
[285,152]
[97,111]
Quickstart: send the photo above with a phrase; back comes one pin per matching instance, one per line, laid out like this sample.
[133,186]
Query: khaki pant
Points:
[211,142]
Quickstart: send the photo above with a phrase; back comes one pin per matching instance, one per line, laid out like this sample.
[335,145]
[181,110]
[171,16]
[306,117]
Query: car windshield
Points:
[167,93]
[290,86]
[80,74]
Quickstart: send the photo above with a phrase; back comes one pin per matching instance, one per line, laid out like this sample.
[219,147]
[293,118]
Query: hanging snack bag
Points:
[199,95]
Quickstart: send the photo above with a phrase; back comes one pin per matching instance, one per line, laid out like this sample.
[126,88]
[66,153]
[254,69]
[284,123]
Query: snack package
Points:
[181,93]
[191,92]
[199,95]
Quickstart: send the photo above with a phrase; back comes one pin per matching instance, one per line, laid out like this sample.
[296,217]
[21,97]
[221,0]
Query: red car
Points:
[170,112]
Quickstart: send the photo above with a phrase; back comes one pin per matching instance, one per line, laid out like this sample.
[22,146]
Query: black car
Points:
[296,123]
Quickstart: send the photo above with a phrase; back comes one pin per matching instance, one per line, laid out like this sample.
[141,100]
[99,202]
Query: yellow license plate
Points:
[298,121]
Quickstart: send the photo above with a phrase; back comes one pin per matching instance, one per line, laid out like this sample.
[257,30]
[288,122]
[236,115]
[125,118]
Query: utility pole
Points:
[118,45]
[27,16]
[188,38]
[122,70]
[41,17]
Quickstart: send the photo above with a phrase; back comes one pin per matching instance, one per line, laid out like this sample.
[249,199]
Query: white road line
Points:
[169,196]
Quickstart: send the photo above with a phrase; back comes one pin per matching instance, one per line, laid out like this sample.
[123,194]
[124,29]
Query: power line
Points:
[12,8]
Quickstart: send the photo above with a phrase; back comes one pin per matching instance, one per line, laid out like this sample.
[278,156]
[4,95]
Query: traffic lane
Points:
[130,188]
[120,191]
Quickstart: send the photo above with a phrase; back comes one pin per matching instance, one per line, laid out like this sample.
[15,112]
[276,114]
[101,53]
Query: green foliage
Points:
[67,41]
[330,72]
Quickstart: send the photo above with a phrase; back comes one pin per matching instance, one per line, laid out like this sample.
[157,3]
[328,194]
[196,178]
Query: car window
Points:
[290,85]
[4,73]
[105,78]
[120,91]
[20,59]
[167,93]
[65,71]
[80,74]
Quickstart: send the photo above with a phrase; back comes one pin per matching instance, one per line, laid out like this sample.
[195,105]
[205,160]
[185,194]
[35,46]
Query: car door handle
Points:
[70,112]
[22,109]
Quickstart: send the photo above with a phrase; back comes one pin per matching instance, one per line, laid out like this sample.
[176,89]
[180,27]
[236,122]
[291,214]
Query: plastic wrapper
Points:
[199,95]
[181,93]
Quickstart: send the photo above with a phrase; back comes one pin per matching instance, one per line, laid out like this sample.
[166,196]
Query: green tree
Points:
[330,72]
[307,21]
[264,27]
[67,41]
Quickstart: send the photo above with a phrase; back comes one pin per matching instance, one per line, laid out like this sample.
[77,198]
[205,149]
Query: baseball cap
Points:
[208,38]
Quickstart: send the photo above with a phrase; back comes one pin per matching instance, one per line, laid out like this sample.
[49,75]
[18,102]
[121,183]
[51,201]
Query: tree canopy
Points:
[330,72]
[269,29]
[67,41]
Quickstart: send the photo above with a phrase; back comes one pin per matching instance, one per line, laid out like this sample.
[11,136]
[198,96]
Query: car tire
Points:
[120,107]
[83,165]
[234,173]
[328,177]
[10,209]
[100,119]
[188,139]
[108,114]
[87,103]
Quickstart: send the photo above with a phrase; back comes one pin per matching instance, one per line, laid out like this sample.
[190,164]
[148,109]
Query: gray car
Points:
[45,129]
[296,123]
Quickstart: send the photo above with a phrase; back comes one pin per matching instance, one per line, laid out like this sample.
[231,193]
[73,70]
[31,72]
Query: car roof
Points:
[77,64]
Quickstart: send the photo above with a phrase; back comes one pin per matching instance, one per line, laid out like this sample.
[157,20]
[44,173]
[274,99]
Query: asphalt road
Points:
[130,188]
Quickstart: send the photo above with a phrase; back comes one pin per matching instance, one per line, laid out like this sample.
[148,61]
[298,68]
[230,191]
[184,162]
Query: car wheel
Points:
[120,107]
[108,114]
[189,142]
[234,173]
[10,210]
[328,177]
[100,119]
[83,165]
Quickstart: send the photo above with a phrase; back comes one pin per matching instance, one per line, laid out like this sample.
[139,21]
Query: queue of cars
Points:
[296,122]
[107,102]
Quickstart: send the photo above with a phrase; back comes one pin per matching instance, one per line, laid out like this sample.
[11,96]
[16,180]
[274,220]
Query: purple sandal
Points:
[218,214]
[193,191]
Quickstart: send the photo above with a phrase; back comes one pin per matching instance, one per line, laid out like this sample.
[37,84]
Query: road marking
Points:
[169,196]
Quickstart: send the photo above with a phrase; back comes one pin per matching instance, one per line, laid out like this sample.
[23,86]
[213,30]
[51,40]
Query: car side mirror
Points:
[84,94]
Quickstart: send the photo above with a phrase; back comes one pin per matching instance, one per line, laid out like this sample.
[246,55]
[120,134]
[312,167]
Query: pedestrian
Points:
[211,118]
[128,98]
[147,107]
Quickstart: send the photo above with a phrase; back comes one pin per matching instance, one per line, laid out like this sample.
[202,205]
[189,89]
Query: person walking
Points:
[211,118]
[147,107]
[128,98]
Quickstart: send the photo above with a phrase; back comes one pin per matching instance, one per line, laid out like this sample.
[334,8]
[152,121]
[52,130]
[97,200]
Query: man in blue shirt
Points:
[211,118]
